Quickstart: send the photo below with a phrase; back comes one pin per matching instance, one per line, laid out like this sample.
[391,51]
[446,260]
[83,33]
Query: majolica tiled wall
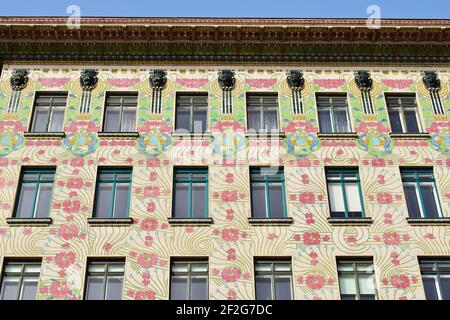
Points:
[230,242]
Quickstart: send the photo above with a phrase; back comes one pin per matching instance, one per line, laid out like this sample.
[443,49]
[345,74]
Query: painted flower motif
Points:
[229,196]
[151,207]
[350,239]
[153,176]
[229,178]
[392,238]
[149,224]
[230,234]
[388,218]
[272,236]
[71,206]
[311,238]
[400,281]
[384,198]
[122,82]
[231,254]
[59,289]
[309,218]
[144,295]
[68,231]
[315,282]
[53,82]
[305,179]
[147,260]
[64,260]
[151,191]
[75,183]
[261,83]
[192,82]
[231,274]
[430,236]
[307,197]
[230,214]
[232,295]
[378,162]
[329,83]
[397,83]
[107,246]
[77,162]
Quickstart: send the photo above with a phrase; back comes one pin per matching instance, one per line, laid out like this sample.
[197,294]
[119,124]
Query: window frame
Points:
[417,182]
[400,109]
[52,95]
[331,109]
[21,274]
[189,273]
[114,171]
[190,181]
[354,262]
[191,110]
[261,108]
[39,171]
[272,274]
[122,95]
[341,172]
[267,182]
[105,275]
[435,275]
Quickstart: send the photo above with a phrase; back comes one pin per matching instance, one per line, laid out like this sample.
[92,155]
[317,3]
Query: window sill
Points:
[424,136]
[191,221]
[350,221]
[46,135]
[194,136]
[30,221]
[428,221]
[338,135]
[103,134]
[258,135]
[110,221]
[270,221]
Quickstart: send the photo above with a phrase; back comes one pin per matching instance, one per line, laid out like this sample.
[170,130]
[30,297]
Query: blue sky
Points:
[231,8]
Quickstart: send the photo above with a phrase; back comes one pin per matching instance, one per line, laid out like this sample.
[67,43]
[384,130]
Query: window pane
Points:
[353,199]
[29,288]
[258,200]
[336,199]
[263,288]
[180,267]
[121,201]
[40,120]
[366,284]
[104,200]
[10,286]
[282,267]
[429,285]
[57,120]
[95,288]
[178,288]
[347,284]
[43,200]
[261,267]
[429,199]
[199,121]
[254,120]
[276,200]
[412,199]
[346,267]
[115,268]
[396,125]
[198,200]
[283,288]
[112,120]
[340,120]
[199,290]
[445,287]
[270,121]
[129,120]
[324,120]
[114,288]
[181,200]
[411,121]
[199,267]
[183,119]
[25,206]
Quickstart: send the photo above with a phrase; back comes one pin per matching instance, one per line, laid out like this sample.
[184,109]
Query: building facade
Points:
[224,159]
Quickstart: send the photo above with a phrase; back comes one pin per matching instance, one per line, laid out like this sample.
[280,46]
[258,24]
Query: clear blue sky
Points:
[231,8]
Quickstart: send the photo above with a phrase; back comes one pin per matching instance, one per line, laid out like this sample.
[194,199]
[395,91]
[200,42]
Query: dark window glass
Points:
[191,112]
[262,112]
[189,280]
[267,193]
[273,279]
[20,280]
[104,280]
[421,194]
[35,193]
[113,193]
[333,113]
[48,113]
[120,112]
[344,193]
[356,280]
[436,278]
[190,193]
[403,113]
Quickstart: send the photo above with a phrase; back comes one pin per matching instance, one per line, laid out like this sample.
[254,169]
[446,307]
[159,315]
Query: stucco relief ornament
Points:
[158,79]
[19,79]
[295,80]
[363,80]
[88,79]
[431,81]
[227,81]
[301,139]
[154,138]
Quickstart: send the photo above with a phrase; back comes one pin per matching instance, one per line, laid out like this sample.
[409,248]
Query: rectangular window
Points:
[35,193]
[344,193]
[104,280]
[403,113]
[191,112]
[267,193]
[421,194]
[436,278]
[190,199]
[356,280]
[120,112]
[262,112]
[273,279]
[333,113]
[112,198]
[48,115]
[20,280]
[189,279]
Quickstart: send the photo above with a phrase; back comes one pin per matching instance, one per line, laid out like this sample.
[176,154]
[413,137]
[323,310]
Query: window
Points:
[120,112]
[191,193]
[344,193]
[273,279]
[262,112]
[436,278]
[267,193]
[189,280]
[35,193]
[403,114]
[112,199]
[20,280]
[49,112]
[333,113]
[421,194]
[356,280]
[191,112]
[104,280]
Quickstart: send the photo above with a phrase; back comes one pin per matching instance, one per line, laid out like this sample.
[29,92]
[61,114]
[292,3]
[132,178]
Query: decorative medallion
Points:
[81,139]
[228,139]
[11,137]
[301,139]
[374,139]
[154,139]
